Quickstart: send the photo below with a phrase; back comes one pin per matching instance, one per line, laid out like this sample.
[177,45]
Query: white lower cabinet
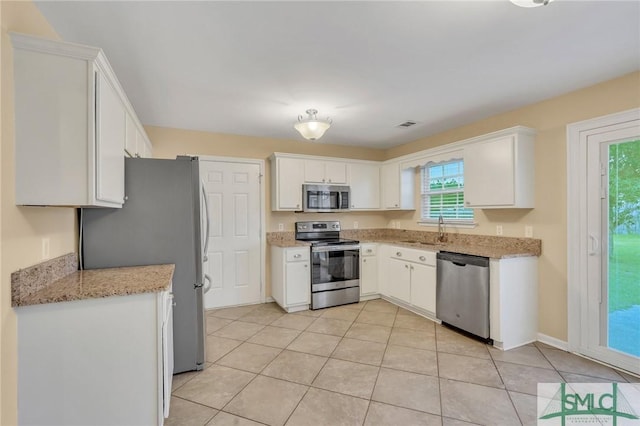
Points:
[368,271]
[513,304]
[410,278]
[291,277]
[106,360]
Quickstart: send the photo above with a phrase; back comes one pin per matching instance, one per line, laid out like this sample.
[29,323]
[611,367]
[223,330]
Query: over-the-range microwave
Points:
[325,198]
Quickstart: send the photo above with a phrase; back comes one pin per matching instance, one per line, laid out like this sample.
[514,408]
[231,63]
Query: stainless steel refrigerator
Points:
[159,223]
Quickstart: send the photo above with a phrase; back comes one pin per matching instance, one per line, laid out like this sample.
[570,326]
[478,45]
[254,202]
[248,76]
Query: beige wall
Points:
[548,219]
[21,228]
[167,143]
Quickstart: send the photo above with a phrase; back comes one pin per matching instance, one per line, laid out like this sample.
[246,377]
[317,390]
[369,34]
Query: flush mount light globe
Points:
[312,128]
[531,3]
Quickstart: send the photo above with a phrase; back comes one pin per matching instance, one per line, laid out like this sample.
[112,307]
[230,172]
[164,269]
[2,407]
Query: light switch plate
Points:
[498,229]
[355,225]
[281,227]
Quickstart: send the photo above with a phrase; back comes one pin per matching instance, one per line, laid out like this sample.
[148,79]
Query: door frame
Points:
[263,239]
[577,241]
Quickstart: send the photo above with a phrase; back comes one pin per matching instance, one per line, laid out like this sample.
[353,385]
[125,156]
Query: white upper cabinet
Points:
[327,172]
[499,171]
[136,144]
[72,124]
[365,186]
[287,177]
[109,139]
[397,187]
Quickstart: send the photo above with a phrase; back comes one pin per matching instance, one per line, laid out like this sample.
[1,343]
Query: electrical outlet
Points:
[528,231]
[498,229]
[355,225]
[45,248]
[281,227]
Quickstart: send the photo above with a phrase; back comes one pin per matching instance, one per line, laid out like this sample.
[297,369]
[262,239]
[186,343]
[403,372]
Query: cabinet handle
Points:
[395,205]
[306,266]
[406,266]
[364,260]
[467,203]
[399,254]
[297,256]
[369,250]
[423,258]
[412,268]
[297,206]
[353,206]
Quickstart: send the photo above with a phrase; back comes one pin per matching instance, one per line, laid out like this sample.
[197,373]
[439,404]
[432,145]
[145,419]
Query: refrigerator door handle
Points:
[206,215]
[207,280]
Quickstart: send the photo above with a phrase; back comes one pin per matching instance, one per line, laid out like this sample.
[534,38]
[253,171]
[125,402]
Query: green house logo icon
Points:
[583,405]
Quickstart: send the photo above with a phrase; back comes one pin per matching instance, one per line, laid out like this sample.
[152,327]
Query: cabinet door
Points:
[399,280]
[336,173]
[489,173]
[290,177]
[110,139]
[369,275]
[423,287]
[144,146]
[365,186]
[314,171]
[131,135]
[390,182]
[297,283]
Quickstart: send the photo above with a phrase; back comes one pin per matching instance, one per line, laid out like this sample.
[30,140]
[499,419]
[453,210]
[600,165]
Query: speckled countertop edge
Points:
[97,283]
[478,245]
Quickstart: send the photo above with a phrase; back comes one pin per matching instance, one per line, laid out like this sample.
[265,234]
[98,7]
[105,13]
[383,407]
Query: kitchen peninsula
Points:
[94,344]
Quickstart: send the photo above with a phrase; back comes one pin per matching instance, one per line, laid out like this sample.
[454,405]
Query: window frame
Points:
[426,193]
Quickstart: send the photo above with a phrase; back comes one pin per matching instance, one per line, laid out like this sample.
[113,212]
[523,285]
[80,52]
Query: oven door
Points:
[335,267]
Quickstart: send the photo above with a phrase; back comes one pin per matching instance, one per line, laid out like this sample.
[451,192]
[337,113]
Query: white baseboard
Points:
[552,341]
[269,300]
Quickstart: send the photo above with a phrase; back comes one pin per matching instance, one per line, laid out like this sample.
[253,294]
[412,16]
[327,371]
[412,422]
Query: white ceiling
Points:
[251,68]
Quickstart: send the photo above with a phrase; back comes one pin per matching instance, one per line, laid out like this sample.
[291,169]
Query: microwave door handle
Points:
[339,199]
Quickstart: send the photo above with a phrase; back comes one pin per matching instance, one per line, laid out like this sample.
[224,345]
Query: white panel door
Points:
[234,265]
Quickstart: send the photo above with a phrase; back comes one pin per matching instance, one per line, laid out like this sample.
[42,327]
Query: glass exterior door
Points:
[613,218]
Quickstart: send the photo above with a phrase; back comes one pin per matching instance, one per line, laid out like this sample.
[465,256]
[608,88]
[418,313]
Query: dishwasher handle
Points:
[460,259]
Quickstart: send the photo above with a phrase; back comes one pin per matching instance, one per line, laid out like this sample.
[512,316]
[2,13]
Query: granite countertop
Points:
[96,283]
[478,245]
[475,250]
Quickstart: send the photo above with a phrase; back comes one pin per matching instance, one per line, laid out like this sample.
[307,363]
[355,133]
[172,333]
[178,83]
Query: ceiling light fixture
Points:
[531,3]
[311,128]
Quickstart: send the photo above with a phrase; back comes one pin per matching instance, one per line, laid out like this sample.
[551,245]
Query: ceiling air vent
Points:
[407,124]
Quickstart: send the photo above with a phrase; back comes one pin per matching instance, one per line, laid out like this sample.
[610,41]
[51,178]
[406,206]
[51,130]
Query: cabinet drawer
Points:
[417,256]
[297,255]
[368,250]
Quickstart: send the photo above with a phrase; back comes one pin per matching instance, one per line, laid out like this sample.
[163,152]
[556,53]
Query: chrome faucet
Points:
[441,236]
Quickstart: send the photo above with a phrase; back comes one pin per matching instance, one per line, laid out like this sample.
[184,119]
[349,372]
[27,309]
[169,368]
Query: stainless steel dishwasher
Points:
[462,292]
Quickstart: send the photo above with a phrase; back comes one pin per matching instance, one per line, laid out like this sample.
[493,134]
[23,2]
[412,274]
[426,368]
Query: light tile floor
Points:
[370,363]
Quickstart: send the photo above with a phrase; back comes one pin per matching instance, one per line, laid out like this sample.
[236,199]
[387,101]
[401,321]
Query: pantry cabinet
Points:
[499,170]
[291,277]
[325,172]
[71,125]
[365,186]
[397,186]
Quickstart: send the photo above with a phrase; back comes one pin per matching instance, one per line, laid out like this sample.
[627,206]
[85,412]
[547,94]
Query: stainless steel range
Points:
[335,264]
